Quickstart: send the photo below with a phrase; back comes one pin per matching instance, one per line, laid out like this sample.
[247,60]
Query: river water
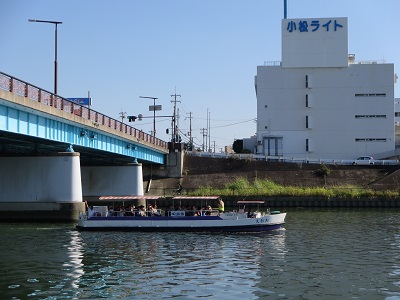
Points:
[321,254]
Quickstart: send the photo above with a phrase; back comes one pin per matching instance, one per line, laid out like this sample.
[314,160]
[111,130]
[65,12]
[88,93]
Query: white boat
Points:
[178,219]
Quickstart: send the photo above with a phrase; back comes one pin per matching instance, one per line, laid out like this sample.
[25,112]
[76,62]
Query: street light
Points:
[153,108]
[55,60]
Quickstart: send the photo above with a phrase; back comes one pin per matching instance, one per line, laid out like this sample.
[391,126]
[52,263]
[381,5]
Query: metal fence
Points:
[287,159]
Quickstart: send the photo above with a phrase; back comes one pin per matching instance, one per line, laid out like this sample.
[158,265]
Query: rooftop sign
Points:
[313,25]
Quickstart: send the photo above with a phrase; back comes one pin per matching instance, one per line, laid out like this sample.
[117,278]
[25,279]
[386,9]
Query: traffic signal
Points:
[132,118]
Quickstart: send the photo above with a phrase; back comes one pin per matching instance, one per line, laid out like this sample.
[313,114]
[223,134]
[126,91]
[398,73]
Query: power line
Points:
[234,124]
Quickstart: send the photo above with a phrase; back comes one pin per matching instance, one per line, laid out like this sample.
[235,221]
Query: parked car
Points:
[364,160]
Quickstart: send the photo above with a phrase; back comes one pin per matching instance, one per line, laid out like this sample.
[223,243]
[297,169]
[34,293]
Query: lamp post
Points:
[55,49]
[154,112]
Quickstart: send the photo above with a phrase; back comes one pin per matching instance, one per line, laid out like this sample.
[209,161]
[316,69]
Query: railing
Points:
[272,63]
[34,93]
[288,159]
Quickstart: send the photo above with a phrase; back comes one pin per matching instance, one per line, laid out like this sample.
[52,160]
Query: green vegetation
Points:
[242,187]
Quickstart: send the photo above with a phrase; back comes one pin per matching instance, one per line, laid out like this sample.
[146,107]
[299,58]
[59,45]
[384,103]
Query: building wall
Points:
[250,144]
[315,109]
[397,111]
[314,42]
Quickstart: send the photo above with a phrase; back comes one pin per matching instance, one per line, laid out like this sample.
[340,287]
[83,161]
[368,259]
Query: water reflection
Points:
[175,264]
[39,261]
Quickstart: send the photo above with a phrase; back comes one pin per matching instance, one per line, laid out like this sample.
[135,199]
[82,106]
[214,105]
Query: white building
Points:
[397,111]
[321,103]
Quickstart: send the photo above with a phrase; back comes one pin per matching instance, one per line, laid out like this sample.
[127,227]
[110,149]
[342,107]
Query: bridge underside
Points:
[12,144]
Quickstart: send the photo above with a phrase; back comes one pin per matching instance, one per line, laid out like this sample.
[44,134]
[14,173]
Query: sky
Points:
[205,51]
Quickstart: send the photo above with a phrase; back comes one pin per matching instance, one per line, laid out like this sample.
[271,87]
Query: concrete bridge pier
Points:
[100,181]
[41,188]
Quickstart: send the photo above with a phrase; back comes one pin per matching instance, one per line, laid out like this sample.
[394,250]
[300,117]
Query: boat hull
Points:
[188,224]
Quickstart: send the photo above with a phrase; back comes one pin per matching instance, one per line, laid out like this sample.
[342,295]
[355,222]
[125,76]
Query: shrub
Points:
[242,187]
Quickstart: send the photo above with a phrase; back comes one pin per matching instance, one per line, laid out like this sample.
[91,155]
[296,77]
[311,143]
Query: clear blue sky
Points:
[207,50]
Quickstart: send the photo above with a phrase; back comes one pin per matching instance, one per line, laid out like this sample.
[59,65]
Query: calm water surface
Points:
[321,254]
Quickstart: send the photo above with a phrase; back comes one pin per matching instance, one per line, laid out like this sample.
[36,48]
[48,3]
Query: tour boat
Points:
[177,218]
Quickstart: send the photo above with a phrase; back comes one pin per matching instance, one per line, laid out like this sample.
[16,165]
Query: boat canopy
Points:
[196,198]
[124,198]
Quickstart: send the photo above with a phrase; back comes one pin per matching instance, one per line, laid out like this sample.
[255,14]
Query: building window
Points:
[309,100]
[370,95]
[307,85]
[307,146]
[370,116]
[397,114]
[308,122]
[370,140]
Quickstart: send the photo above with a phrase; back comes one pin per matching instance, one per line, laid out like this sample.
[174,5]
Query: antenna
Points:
[285,9]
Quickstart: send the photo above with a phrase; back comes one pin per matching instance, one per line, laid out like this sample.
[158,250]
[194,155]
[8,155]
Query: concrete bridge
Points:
[55,153]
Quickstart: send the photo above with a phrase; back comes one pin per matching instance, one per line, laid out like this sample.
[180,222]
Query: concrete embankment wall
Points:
[317,202]
[202,172]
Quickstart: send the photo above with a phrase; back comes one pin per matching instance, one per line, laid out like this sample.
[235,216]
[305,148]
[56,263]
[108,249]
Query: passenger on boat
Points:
[121,210]
[142,211]
[192,212]
[155,211]
[250,213]
[129,211]
[221,205]
[152,210]
[208,210]
[90,210]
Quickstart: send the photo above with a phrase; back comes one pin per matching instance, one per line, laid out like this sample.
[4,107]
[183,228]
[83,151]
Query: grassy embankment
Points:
[241,187]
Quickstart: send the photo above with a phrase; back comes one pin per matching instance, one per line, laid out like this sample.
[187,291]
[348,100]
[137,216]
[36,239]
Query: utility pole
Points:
[174,122]
[190,131]
[209,131]
[203,131]
[178,116]
[123,115]
[153,108]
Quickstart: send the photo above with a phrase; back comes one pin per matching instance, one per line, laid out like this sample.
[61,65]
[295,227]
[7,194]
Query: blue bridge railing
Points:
[34,93]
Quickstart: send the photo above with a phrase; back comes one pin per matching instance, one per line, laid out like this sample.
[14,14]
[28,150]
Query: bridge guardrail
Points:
[34,93]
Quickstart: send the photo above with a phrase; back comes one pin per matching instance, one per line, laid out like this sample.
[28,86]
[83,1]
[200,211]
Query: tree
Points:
[237,146]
